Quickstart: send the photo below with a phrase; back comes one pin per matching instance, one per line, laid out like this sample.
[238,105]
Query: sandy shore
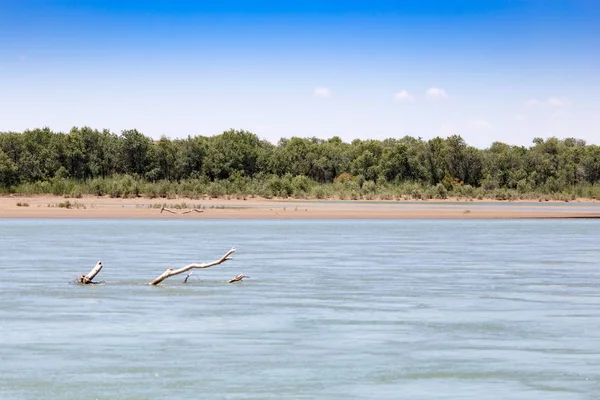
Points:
[105,207]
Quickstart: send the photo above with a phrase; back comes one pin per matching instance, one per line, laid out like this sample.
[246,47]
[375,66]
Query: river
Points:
[414,309]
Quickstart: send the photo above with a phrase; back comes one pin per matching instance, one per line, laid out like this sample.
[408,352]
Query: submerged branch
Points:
[172,272]
[237,278]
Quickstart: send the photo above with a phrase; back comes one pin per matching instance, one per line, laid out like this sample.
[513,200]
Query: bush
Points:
[360,180]
[489,183]
[65,204]
[216,189]
[163,189]
[466,190]
[61,173]
[60,187]
[280,187]
[97,187]
[300,185]
[369,187]
[523,186]
[441,191]
[448,182]
[319,192]
[76,192]
[345,178]
[504,194]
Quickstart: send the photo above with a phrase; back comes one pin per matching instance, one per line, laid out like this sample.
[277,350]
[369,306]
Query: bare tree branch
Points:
[179,212]
[172,272]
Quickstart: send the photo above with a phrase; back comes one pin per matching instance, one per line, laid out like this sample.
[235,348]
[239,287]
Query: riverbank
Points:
[260,208]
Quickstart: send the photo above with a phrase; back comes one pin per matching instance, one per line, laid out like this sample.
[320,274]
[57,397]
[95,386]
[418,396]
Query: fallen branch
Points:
[179,212]
[238,278]
[88,279]
[172,272]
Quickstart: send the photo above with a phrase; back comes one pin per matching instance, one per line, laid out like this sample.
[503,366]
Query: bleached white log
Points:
[179,212]
[87,279]
[172,272]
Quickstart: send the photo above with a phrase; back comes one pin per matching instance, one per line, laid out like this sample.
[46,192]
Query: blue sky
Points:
[489,70]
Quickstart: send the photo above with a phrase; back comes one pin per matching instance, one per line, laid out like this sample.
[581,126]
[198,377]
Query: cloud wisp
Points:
[436,93]
[558,101]
[404,96]
[322,92]
[550,101]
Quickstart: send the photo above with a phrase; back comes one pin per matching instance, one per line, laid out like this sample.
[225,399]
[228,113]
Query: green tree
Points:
[135,148]
[9,174]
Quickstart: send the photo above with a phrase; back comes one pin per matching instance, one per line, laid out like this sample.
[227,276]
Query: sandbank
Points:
[260,208]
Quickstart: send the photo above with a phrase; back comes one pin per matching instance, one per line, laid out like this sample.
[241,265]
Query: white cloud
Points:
[435,93]
[480,124]
[550,101]
[322,92]
[558,102]
[404,96]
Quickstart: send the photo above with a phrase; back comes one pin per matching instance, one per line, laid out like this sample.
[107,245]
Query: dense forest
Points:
[239,163]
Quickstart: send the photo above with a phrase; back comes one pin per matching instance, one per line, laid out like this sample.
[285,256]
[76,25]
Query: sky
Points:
[493,70]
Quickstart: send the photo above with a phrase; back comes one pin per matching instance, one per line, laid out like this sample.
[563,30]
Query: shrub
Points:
[523,186]
[345,178]
[65,204]
[300,184]
[281,187]
[489,183]
[97,187]
[467,190]
[61,173]
[369,187]
[448,182]
[360,180]
[319,192]
[441,191]
[76,192]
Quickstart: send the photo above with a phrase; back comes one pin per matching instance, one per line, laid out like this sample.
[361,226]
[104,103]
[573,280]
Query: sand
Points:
[259,208]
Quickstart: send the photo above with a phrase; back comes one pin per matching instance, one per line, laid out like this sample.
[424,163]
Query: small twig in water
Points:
[238,278]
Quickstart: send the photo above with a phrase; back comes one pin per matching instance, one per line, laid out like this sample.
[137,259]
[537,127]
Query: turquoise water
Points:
[333,309]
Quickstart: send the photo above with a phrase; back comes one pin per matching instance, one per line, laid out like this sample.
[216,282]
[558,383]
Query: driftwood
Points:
[172,272]
[180,212]
[88,279]
[238,278]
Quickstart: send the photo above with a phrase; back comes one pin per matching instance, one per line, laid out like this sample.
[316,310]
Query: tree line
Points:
[83,155]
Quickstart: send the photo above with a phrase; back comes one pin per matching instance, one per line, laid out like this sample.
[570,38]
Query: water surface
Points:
[415,309]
